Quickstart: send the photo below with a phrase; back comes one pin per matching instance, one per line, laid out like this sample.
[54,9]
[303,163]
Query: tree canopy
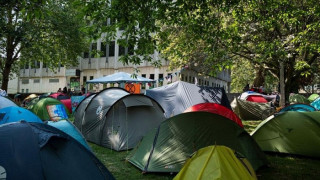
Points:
[31,30]
[217,33]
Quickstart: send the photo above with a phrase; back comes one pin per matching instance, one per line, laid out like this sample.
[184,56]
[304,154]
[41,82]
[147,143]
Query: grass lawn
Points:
[280,167]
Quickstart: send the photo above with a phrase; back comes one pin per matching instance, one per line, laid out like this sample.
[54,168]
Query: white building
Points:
[39,79]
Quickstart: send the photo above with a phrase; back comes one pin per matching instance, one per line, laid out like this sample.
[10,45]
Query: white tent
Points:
[121,78]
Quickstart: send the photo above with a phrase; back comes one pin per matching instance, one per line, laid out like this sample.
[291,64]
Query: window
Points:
[122,50]
[27,90]
[103,49]
[91,85]
[36,81]
[111,48]
[151,76]
[86,55]
[93,49]
[44,65]
[53,80]
[143,75]
[22,90]
[131,50]
[25,81]
[160,79]
[37,64]
[84,80]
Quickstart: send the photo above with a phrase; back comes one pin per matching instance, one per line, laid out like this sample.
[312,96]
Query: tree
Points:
[33,30]
[218,33]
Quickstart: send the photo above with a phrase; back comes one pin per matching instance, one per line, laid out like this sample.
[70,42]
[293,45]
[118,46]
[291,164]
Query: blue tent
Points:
[39,151]
[175,98]
[15,113]
[70,129]
[5,102]
[298,108]
[316,103]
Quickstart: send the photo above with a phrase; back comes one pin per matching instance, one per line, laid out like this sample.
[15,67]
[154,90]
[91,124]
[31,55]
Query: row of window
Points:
[26,81]
[200,82]
[108,50]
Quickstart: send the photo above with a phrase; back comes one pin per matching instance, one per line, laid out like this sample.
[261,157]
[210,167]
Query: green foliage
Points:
[242,73]
[45,30]
[215,34]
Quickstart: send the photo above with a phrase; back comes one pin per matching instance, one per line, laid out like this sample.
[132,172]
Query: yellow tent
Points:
[216,162]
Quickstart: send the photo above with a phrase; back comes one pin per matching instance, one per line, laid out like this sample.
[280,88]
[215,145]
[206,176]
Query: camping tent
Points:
[253,97]
[39,151]
[121,78]
[316,104]
[58,96]
[167,148]
[313,97]
[298,99]
[216,109]
[117,119]
[5,102]
[247,110]
[290,132]
[214,163]
[175,98]
[67,127]
[80,109]
[299,108]
[41,108]
[67,104]
[15,113]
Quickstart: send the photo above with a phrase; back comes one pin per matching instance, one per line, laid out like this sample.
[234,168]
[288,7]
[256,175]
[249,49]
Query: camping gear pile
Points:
[178,128]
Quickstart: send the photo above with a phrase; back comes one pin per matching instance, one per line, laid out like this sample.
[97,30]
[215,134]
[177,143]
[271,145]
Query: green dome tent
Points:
[214,163]
[298,99]
[41,108]
[313,97]
[290,132]
[167,148]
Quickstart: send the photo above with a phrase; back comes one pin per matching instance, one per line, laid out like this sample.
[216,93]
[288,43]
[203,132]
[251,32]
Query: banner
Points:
[75,101]
[57,112]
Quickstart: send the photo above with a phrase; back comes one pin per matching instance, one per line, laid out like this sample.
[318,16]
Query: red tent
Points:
[67,103]
[256,98]
[216,109]
[55,95]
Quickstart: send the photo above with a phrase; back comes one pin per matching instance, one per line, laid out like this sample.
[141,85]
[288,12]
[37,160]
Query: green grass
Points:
[280,167]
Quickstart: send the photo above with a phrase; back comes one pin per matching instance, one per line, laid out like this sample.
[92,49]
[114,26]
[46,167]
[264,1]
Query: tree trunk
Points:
[259,78]
[5,78]
[282,86]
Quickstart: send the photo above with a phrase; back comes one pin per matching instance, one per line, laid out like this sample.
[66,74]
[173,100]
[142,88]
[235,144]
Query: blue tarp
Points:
[120,77]
[15,113]
[175,98]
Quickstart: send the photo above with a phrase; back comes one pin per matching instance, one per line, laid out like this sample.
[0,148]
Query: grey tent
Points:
[79,111]
[118,120]
[167,148]
[175,98]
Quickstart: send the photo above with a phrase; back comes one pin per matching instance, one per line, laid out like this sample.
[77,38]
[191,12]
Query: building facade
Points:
[39,79]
